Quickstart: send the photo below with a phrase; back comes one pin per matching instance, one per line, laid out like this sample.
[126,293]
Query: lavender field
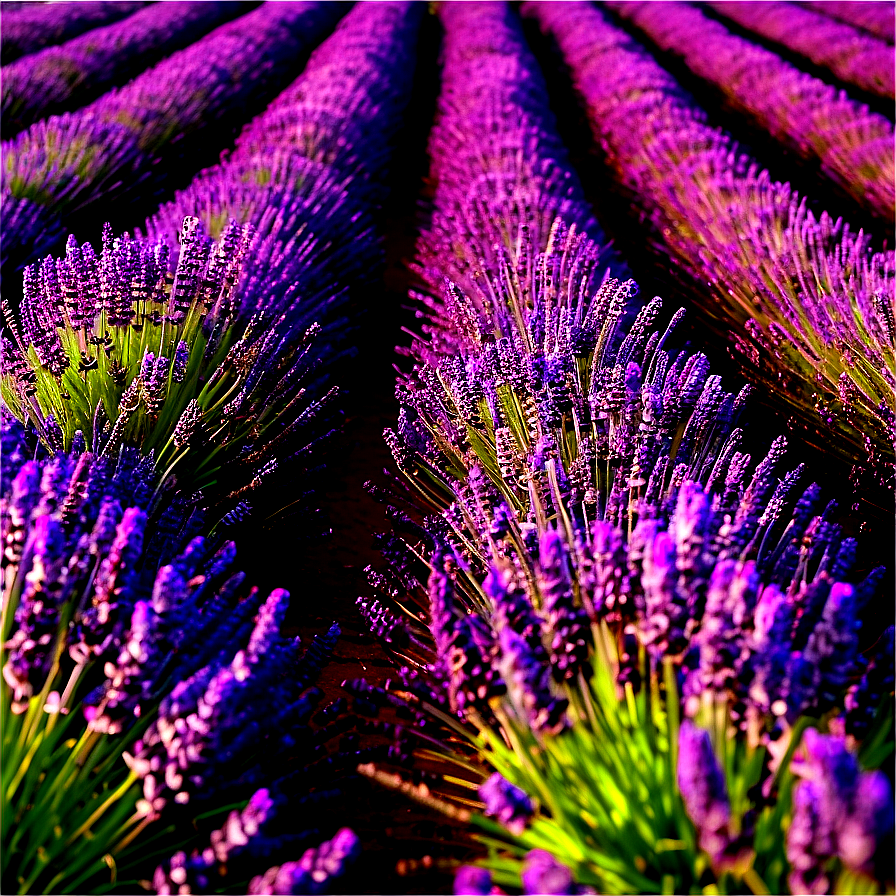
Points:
[447,447]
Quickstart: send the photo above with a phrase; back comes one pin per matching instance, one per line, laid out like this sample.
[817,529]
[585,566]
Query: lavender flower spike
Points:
[315,872]
[506,802]
[839,811]
[469,880]
[543,874]
[702,786]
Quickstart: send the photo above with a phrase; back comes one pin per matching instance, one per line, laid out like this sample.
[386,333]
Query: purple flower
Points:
[865,697]
[567,627]
[315,872]
[243,831]
[181,359]
[867,832]
[528,685]
[506,802]
[32,646]
[215,730]
[469,880]
[665,607]
[701,783]
[723,639]
[839,811]
[810,841]
[807,115]
[543,874]
[115,588]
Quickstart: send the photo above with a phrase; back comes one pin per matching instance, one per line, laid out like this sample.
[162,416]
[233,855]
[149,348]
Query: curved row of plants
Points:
[62,78]
[810,301]
[639,661]
[849,141]
[73,161]
[153,715]
[875,18]
[849,54]
[32,27]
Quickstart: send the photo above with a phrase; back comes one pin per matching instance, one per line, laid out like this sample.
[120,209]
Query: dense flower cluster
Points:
[314,872]
[631,655]
[839,812]
[805,114]
[113,350]
[878,19]
[62,78]
[850,55]
[117,619]
[36,25]
[809,301]
[71,161]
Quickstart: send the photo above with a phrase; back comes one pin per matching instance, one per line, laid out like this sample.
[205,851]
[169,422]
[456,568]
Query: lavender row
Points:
[803,113]
[224,383]
[307,173]
[330,132]
[581,477]
[107,149]
[510,185]
[38,25]
[543,422]
[878,19]
[66,77]
[809,301]
[848,54]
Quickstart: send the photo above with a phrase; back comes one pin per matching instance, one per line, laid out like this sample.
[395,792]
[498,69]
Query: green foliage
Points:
[69,801]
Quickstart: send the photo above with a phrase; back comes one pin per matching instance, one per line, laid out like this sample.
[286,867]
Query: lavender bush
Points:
[219,383]
[138,676]
[64,164]
[62,78]
[112,349]
[850,55]
[34,26]
[563,668]
[809,301]
[875,18]
[805,114]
